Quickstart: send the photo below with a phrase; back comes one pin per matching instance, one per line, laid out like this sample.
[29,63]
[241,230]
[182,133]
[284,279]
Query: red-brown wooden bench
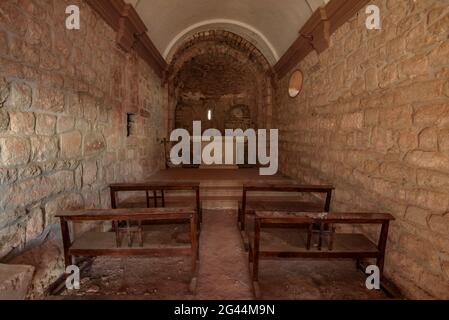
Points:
[156,190]
[264,202]
[263,235]
[266,197]
[92,244]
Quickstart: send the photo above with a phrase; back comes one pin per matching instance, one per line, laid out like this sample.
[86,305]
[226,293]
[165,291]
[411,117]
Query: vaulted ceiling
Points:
[271,25]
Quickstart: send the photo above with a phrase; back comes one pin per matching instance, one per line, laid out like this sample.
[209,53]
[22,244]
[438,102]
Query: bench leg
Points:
[66,242]
[382,247]
[242,221]
[320,239]
[193,284]
[199,220]
[118,240]
[256,267]
[242,211]
[155,198]
[194,278]
[309,236]
[331,238]
[256,251]
[113,206]
[380,263]
[357,265]
[238,217]
[257,292]
[194,253]
[198,206]
[254,271]
[250,255]
[140,232]
[130,237]
[148,199]
[194,242]
[254,262]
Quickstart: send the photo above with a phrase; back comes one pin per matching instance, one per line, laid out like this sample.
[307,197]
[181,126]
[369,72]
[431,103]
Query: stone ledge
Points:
[15,281]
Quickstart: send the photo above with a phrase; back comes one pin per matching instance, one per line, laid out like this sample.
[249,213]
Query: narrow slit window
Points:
[209,114]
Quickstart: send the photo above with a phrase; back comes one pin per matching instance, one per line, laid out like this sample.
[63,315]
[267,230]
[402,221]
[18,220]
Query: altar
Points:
[219,152]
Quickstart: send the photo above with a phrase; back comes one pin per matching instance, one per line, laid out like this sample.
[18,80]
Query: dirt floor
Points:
[223,272]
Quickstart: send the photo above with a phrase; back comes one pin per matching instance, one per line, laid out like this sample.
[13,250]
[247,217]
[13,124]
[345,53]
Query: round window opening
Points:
[295,84]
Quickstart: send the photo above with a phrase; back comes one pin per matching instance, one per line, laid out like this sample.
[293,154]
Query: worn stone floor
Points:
[223,273]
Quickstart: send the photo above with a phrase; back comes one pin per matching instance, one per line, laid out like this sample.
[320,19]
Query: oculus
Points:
[295,83]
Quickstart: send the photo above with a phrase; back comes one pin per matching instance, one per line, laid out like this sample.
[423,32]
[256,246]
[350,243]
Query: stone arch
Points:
[244,30]
[232,41]
[236,51]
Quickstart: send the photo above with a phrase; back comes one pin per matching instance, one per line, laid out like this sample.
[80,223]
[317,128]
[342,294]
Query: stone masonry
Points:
[64,96]
[216,82]
[219,70]
[373,119]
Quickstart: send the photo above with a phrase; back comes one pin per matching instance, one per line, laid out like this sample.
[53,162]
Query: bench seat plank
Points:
[333,217]
[104,243]
[281,240]
[155,185]
[289,186]
[128,214]
[170,202]
[281,205]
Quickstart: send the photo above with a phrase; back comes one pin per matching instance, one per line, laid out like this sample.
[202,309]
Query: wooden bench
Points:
[256,197]
[92,244]
[152,188]
[268,243]
[267,203]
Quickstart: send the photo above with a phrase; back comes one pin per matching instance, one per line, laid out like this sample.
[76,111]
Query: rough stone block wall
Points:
[64,96]
[227,113]
[218,82]
[219,70]
[373,119]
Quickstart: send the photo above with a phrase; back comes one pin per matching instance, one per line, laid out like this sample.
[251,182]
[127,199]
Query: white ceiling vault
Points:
[271,25]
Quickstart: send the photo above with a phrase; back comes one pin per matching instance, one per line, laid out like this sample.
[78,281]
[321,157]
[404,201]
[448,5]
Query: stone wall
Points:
[373,119]
[216,82]
[219,70]
[64,96]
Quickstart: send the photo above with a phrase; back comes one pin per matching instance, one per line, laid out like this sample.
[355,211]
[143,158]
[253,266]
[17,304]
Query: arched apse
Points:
[213,71]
